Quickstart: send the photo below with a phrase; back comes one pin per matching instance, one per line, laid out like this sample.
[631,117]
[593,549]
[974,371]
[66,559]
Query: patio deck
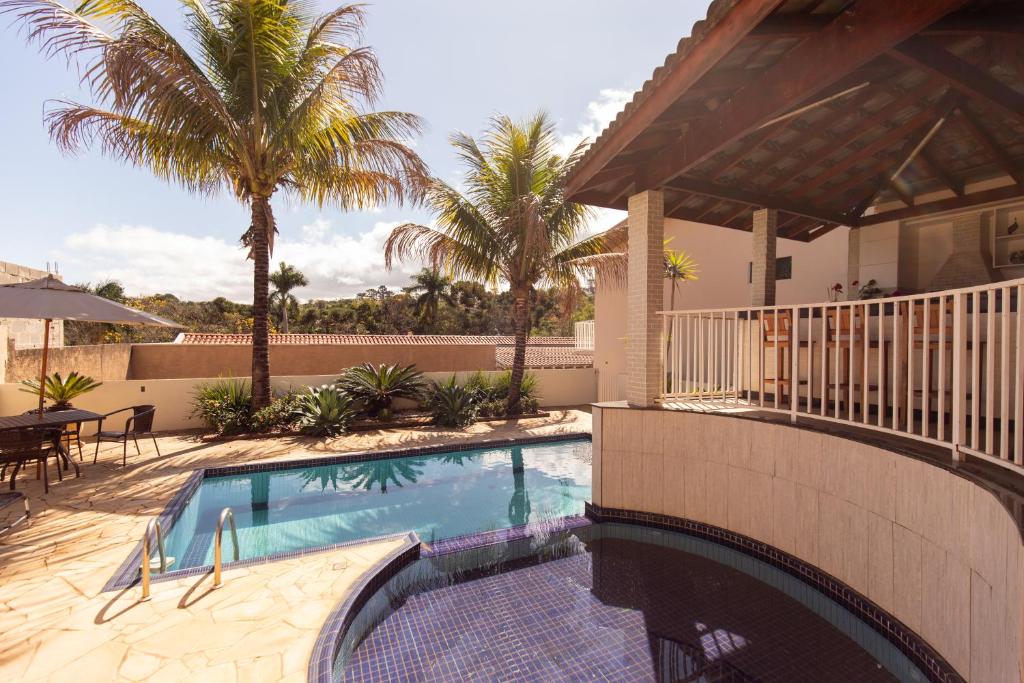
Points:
[260,626]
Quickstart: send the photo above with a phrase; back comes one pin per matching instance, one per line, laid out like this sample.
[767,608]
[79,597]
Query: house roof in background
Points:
[540,357]
[377,339]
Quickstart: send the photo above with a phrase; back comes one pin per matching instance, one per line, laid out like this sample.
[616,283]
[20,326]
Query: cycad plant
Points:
[377,386]
[263,96]
[512,222]
[60,391]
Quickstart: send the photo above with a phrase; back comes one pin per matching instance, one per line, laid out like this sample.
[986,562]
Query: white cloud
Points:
[599,114]
[149,261]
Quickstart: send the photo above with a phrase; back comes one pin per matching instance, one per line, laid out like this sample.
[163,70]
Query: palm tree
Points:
[678,267]
[285,279]
[511,224]
[433,288]
[270,97]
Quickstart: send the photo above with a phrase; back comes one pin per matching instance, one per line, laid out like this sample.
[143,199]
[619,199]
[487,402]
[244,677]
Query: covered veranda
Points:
[788,120]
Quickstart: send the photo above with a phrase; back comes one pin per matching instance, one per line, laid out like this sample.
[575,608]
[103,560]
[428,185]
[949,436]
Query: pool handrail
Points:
[225,514]
[153,526]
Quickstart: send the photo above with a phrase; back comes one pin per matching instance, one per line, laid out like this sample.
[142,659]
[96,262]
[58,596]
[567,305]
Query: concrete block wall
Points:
[26,334]
[939,552]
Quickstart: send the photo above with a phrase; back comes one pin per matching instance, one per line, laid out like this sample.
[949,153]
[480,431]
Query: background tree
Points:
[433,288]
[678,267]
[270,98]
[511,224]
[285,279]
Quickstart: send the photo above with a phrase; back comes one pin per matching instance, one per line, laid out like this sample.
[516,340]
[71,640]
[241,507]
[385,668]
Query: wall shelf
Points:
[1004,244]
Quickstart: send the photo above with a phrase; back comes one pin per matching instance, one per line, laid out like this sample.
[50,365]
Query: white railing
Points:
[585,335]
[946,368]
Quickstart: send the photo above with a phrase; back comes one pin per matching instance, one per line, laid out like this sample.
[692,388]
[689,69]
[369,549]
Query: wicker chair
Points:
[139,424]
[28,444]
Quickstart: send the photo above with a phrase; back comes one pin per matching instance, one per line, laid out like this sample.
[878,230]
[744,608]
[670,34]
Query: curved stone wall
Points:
[935,549]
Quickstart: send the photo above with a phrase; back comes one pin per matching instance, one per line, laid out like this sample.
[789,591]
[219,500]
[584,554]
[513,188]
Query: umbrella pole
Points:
[42,372]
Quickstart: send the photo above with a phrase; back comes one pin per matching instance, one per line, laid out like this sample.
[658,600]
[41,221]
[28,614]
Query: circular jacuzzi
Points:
[608,602]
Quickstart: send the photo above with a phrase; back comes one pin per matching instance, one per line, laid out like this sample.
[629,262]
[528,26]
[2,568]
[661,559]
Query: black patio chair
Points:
[25,445]
[139,424]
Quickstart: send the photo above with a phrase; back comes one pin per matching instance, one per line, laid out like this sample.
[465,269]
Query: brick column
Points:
[645,297]
[762,276]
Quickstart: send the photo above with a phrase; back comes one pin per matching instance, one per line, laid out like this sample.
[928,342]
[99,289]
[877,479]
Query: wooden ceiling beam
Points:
[880,144]
[869,123]
[750,198]
[610,174]
[850,41]
[978,131]
[977,83]
[968,22]
[950,204]
[705,54]
[932,167]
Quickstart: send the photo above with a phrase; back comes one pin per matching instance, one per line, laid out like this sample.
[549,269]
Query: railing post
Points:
[794,359]
[145,563]
[218,544]
[959,398]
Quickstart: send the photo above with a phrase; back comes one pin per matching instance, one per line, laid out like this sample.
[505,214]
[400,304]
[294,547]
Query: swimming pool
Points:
[439,495]
[609,602]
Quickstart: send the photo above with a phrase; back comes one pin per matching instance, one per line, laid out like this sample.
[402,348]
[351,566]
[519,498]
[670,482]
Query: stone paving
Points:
[56,625]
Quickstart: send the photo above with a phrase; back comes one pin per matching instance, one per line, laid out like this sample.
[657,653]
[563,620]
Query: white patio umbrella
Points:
[50,299]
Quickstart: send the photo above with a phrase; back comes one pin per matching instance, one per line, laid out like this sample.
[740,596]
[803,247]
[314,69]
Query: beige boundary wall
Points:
[99,361]
[173,397]
[179,361]
[936,550]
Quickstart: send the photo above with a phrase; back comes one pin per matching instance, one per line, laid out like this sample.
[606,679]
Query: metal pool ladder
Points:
[229,516]
[146,567]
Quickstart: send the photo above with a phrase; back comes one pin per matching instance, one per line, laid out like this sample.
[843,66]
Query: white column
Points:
[645,297]
[762,276]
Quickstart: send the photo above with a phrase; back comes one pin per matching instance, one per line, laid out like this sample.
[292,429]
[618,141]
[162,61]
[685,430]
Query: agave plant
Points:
[60,390]
[224,405]
[377,386]
[452,405]
[325,411]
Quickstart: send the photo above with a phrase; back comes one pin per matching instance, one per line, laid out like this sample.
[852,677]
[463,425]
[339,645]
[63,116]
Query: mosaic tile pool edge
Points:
[127,574]
[321,661]
[909,643]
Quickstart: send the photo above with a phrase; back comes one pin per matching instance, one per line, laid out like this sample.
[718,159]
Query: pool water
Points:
[438,496]
[609,602]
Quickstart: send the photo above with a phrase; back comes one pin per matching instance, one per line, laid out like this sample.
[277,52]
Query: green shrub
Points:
[528,389]
[494,407]
[61,391]
[376,387]
[482,386]
[281,414]
[324,411]
[452,405]
[225,406]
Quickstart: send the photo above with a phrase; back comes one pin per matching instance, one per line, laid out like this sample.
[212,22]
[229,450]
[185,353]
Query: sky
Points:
[456,63]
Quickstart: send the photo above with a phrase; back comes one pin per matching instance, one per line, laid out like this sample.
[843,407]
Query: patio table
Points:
[56,418]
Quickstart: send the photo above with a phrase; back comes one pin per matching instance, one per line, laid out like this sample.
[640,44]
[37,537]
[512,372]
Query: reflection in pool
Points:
[439,496]
[609,602]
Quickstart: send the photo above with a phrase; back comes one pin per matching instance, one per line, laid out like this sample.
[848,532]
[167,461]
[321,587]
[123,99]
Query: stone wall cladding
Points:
[762,274]
[645,295]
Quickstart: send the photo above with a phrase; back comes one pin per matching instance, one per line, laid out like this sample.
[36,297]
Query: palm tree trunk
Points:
[520,327]
[262,224]
[284,316]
